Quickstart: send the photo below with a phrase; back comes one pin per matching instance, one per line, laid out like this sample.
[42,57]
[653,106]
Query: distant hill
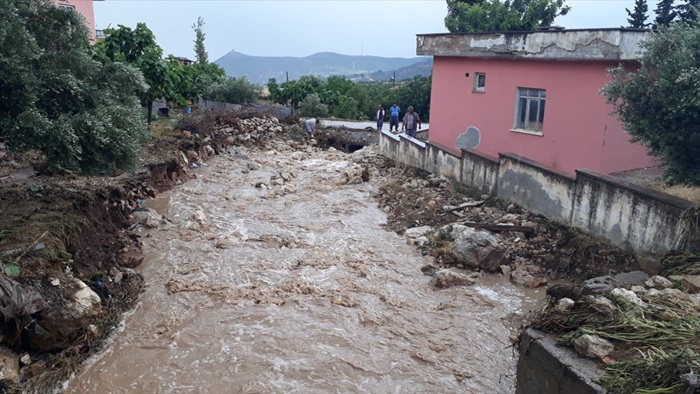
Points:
[259,69]
[423,68]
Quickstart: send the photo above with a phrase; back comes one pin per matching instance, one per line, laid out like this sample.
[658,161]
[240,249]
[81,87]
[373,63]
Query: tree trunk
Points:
[150,111]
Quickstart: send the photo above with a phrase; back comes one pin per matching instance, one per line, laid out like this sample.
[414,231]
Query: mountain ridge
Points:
[259,69]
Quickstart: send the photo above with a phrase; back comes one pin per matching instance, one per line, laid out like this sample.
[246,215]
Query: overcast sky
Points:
[302,28]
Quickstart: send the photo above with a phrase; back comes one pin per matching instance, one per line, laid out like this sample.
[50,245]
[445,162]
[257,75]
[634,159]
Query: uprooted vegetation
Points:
[650,329]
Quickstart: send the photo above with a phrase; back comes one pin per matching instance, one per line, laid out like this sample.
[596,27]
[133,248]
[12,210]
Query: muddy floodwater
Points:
[298,288]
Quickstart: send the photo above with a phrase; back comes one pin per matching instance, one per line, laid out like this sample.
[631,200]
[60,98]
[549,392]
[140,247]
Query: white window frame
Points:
[479,87]
[67,7]
[527,98]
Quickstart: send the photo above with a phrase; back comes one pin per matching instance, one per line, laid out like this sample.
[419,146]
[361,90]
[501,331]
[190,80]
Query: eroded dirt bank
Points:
[277,273]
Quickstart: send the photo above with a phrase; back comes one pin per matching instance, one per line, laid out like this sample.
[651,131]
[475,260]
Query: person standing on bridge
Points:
[380,118]
[394,121]
[410,121]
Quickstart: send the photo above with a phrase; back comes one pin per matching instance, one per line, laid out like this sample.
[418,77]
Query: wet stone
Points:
[599,285]
[593,346]
[633,278]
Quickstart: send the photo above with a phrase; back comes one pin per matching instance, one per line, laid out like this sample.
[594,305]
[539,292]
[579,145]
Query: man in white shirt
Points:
[310,125]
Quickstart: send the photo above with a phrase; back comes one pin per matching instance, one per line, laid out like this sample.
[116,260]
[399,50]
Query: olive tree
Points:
[659,104]
[82,114]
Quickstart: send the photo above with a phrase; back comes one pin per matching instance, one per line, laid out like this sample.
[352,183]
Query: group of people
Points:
[410,123]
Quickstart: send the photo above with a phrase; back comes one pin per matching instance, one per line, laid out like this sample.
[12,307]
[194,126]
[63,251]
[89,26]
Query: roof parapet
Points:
[579,44]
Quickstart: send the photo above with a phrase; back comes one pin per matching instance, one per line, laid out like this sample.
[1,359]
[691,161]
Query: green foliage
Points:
[292,93]
[660,104]
[365,104]
[665,13]
[346,108]
[688,10]
[659,373]
[338,84]
[638,17]
[83,115]
[312,107]
[469,16]
[234,91]
[275,92]
[138,47]
[199,49]
[193,81]
[417,94]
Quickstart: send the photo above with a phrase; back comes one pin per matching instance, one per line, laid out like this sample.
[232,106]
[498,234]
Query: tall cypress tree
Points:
[638,17]
[199,49]
[687,10]
[665,13]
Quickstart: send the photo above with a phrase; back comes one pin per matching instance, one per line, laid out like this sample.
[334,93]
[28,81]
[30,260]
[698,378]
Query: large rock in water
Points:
[452,277]
[479,249]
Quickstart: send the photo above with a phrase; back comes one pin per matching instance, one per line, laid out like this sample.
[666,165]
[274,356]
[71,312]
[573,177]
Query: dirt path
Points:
[297,287]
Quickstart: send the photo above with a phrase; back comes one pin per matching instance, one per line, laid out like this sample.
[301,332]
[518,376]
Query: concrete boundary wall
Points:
[636,218]
[546,368]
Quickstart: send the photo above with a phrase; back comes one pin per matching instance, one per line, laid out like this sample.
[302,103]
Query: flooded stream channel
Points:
[298,289]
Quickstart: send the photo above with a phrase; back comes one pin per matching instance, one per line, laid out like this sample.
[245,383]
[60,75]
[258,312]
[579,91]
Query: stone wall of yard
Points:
[636,218]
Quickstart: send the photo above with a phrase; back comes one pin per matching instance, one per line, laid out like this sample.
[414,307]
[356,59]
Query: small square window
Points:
[529,110]
[479,82]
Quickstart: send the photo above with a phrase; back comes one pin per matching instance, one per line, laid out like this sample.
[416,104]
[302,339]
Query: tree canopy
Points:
[82,114]
[139,48]
[638,17]
[665,13]
[659,105]
[470,16]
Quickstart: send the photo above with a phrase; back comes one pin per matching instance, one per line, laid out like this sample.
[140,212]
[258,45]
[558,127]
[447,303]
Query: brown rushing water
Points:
[301,293]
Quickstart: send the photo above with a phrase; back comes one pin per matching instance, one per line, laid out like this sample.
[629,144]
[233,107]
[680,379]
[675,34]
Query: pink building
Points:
[535,94]
[85,8]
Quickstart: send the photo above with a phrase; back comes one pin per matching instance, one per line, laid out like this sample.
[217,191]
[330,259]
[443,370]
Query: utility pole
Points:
[394,79]
[287,72]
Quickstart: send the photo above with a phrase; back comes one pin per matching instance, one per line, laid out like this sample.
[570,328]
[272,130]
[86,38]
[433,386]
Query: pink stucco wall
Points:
[85,8]
[578,130]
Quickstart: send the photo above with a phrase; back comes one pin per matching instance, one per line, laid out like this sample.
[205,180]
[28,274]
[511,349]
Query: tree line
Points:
[666,12]
[342,98]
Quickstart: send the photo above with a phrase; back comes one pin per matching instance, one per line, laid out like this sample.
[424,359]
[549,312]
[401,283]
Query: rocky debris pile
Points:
[463,228]
[224,132]
[616,319]
[249,130]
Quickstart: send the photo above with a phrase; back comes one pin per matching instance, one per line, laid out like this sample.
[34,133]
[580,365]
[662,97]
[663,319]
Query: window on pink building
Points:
[479,82]
[529,110]
[67,7]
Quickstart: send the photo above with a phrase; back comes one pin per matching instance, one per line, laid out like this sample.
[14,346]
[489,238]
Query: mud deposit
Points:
[296,286]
